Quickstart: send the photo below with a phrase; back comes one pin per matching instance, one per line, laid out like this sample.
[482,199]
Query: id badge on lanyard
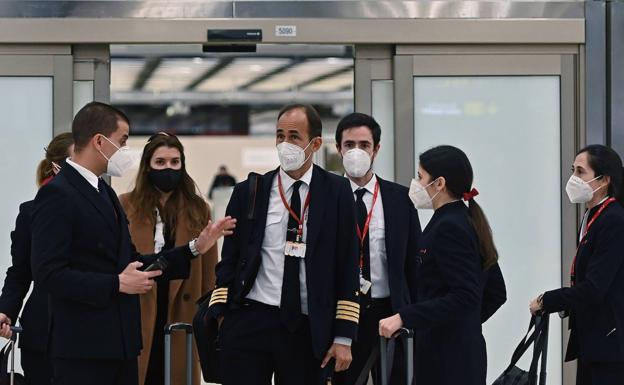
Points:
[365,284]
[295,248]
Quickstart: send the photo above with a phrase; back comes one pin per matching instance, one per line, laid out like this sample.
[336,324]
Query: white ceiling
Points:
[176,74]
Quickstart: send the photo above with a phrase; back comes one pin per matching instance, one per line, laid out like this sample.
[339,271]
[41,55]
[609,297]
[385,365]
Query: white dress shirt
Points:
[268,285]
[86,173]
[377,240]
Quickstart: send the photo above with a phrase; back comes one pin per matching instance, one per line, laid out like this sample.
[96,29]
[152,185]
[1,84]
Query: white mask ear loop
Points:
[432,182]
[601,186]
[111,142]
[306,147]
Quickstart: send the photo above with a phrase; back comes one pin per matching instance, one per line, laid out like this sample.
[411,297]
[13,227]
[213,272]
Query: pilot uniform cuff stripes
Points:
[219,295]
[348,311]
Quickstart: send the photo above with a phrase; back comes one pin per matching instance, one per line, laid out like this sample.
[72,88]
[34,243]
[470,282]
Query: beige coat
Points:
[182,295]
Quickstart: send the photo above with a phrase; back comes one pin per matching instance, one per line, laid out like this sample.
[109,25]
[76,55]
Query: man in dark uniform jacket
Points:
[287,282]
[83,257]
[388,228]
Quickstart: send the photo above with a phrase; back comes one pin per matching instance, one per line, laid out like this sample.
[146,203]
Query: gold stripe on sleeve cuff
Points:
[348,313]
[349,303]
[348,308]
[347,318]
[218,296]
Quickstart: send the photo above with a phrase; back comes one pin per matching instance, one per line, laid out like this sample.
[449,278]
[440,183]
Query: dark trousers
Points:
[600,373]
[95,372]
[37,367]
[368,343]
[255,346]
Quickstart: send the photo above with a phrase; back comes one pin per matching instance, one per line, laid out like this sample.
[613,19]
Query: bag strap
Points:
[253,179]
[539,348]
[524,344]
[524,339]
[370,362]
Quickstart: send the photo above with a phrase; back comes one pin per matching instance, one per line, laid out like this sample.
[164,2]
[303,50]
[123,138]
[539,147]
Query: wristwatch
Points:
[193,248]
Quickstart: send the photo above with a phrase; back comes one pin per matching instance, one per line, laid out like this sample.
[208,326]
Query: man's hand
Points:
[389,326]
[213,231]
[342,355]
[134,281]
[5,326]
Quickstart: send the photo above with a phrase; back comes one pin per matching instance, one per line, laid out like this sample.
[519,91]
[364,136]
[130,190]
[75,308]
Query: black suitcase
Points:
[188,328]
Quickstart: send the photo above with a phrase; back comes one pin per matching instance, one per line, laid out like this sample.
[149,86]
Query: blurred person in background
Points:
[222,179]
[165,211]
[34,318]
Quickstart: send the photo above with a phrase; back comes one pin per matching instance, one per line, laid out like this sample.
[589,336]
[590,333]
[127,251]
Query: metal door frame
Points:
[48,61]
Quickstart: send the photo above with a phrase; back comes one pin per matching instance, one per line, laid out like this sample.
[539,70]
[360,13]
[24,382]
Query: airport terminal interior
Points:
[520,86]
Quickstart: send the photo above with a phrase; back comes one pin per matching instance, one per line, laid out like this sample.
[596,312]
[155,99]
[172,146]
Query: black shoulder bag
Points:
[206,329]
[537,335]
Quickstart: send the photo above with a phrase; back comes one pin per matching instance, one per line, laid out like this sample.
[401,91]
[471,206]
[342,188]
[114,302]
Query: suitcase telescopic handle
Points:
[188,328]
[407,335]
[179,326]
[404,332]
[16,330]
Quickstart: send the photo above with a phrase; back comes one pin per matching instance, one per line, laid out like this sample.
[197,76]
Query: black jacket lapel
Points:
[91,194]
[262,205]
[389,198]
[122,221]
[316,209]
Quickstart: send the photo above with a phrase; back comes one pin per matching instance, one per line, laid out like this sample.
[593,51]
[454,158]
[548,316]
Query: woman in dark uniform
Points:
[459,283]
[34,318]
[595,300]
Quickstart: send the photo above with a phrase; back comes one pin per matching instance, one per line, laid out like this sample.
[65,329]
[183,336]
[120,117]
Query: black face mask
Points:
[166,180]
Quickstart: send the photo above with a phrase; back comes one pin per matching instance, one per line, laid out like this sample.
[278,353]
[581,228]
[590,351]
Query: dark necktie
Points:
[362,214]
[104,194]
[290,304]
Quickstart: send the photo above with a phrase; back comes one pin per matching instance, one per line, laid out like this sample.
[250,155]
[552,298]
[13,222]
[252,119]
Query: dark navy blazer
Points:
[596,302]
[79,247]
[331,254]
[448,312]
[402,230]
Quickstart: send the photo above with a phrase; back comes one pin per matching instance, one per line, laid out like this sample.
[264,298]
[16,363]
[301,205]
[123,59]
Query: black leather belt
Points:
[381,301]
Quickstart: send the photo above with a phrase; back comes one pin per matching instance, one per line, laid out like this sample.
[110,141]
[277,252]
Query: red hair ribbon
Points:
[47,180]
[470,195]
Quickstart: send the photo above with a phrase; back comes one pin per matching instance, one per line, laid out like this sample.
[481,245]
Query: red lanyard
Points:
[591,222]
[290,210]
[362,234]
